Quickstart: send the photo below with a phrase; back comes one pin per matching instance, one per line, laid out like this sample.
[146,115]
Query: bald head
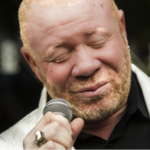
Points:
[26,8]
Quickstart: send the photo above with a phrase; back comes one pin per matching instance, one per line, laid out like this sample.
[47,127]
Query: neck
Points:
[105,127]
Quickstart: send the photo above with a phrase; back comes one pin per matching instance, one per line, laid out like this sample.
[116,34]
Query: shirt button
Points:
[109,144]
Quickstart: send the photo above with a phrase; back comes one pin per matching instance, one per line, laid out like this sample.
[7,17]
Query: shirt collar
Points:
[135,103]
[42,104]
[136,98]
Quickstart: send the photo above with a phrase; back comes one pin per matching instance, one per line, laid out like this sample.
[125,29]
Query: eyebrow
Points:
[97,30]
[89,32]
[52,48]
[57,44]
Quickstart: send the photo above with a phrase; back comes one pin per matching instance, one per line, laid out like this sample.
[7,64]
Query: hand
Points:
[59,133]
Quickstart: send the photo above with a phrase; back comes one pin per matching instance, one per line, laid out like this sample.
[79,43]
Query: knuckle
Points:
[69,145]
[24,142]
[50,145]
[27,141]
[48,114]
[56,125]
[63,148]
[52,132]
[65,120]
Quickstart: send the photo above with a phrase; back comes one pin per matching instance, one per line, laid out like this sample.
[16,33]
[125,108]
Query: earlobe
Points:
[31,62]
[122,24]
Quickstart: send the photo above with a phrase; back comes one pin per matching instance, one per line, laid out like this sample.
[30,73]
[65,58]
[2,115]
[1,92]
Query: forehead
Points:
[80,17]
[45,13]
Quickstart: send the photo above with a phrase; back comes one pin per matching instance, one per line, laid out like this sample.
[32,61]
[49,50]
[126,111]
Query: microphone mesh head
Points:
[59,106]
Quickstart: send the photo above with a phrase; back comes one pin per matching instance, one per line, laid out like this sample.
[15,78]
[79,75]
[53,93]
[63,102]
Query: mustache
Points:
[89,84]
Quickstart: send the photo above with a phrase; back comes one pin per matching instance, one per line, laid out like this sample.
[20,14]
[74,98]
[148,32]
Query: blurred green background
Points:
[20,90]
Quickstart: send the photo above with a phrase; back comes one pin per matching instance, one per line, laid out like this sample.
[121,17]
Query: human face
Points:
[81,56]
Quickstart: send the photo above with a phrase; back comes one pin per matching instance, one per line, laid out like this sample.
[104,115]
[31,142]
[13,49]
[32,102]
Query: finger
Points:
[50,145]
[57,133]
[47,119]
[29,143]
[76,125]
[56,125]
[51,117]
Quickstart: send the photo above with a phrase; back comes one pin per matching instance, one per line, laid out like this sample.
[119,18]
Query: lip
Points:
[93,91]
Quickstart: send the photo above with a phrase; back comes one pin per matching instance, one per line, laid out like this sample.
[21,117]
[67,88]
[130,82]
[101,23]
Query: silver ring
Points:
[40,138]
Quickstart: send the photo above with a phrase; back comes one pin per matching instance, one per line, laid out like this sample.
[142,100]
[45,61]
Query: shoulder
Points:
[13,137]
[139,73]
[144,82]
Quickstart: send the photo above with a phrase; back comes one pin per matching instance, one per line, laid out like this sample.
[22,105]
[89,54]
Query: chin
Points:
[98,109]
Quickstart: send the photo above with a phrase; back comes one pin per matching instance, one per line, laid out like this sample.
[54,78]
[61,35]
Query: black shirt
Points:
[131,132]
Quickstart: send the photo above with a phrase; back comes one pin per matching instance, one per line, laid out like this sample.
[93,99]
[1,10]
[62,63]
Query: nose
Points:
[86,64]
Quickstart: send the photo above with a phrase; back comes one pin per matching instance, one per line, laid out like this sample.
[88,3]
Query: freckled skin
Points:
[84,65]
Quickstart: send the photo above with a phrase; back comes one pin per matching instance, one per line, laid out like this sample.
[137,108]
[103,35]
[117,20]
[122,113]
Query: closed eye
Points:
[97,46]
[61,58]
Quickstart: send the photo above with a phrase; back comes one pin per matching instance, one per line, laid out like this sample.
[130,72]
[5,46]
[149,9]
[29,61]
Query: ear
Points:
[122,24]
[31,62]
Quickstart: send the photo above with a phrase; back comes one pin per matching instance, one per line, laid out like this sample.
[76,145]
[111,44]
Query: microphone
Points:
[59,106]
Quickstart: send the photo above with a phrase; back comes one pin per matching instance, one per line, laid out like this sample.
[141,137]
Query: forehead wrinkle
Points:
[88,32]
[47,31]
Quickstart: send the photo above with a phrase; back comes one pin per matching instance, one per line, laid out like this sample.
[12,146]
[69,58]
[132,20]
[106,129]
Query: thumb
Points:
[76,126]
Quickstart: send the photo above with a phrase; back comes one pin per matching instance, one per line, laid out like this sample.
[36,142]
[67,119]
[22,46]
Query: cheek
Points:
[116,57]
[57,74]
[113,55]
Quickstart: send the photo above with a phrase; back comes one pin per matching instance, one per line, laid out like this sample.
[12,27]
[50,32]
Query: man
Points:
[79,50]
